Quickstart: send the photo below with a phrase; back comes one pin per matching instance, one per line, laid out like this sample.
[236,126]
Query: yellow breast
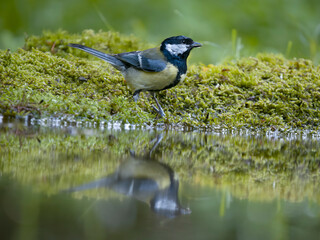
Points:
[140,80]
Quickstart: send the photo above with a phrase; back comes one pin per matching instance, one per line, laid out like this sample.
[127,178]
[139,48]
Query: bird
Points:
[151,70]
[145,179]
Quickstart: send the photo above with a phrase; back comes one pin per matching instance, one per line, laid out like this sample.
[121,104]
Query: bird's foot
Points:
[160,112]
[136,95]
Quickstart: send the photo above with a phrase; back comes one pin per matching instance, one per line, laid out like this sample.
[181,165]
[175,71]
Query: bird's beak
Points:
[196,44]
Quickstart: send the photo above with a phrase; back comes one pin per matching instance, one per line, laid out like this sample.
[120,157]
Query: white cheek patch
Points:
[177,49]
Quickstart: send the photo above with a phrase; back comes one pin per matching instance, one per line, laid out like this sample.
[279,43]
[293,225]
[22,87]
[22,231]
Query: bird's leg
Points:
[159,109]
[136,95]
[158,140]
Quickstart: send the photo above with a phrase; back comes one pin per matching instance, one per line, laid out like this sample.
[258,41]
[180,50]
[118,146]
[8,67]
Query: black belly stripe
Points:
[174,83]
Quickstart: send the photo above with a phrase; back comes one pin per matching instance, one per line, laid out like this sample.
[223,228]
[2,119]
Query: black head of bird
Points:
[153,69]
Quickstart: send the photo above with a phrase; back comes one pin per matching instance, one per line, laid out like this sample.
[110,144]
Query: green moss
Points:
[56,42]
[49,78]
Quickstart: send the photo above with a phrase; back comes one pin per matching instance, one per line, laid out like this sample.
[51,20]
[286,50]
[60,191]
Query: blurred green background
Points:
[228,28]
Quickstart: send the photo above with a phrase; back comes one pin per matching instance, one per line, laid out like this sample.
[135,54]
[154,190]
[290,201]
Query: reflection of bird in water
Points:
[146,180]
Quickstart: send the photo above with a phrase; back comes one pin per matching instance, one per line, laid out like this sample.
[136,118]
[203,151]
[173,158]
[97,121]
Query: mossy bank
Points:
[47,78]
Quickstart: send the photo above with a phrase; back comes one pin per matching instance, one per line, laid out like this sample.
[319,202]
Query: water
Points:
[75,181]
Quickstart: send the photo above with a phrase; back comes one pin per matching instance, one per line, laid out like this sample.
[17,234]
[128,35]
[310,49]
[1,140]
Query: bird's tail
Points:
[106,57]
[101,183]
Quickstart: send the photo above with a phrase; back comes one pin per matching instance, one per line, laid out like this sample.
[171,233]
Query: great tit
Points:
[153,69]
[146,180]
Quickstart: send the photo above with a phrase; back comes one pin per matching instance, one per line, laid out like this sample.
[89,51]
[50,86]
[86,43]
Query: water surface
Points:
[76,181]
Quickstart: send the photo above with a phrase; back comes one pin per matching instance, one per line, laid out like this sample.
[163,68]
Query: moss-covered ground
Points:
[48,78]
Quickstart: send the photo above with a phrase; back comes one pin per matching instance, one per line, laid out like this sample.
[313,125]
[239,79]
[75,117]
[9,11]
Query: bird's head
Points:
[178,47]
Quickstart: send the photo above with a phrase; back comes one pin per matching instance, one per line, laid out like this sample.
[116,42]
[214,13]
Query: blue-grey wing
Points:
[149,60]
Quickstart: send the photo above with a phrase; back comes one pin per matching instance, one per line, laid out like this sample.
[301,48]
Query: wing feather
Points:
[150,60]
